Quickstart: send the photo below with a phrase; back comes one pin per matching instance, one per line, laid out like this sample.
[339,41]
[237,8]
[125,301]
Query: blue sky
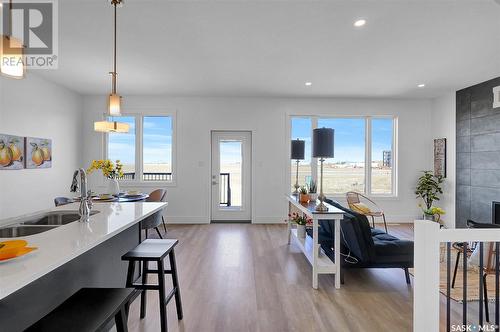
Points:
[157,141]
[349,137]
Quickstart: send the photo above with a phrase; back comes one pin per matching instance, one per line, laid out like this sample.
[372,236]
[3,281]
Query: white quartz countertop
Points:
[62,244]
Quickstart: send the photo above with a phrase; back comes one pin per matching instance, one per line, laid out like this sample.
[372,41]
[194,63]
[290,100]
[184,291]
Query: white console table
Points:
[320,262]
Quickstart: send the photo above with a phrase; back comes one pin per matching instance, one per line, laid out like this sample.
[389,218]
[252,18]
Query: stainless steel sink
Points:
[39,223]
[20,230]
[56,218]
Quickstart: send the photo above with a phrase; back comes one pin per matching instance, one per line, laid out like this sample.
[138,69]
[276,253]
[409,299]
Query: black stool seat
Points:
[151,249]
[89,309]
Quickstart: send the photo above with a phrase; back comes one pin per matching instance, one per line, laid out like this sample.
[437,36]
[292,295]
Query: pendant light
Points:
[11,53]
[114,99]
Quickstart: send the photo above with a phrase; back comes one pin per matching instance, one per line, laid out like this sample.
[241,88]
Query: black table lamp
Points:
[298,152]
[323,141]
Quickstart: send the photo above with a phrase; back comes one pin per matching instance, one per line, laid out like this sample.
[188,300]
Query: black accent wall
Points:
[478,153]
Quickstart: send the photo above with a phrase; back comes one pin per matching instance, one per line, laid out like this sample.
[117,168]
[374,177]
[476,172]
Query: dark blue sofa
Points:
[367,247]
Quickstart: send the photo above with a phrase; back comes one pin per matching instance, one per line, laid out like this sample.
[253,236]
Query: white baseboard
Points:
[187,220]
[398,219]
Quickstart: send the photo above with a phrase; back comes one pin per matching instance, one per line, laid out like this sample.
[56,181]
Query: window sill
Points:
[372,197]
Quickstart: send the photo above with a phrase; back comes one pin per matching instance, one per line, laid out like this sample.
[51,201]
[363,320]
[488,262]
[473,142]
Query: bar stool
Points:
[89,309]
[153,250]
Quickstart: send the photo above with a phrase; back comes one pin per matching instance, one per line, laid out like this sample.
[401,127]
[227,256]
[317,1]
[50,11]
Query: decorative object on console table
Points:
[38,152]
[302,221]
[313,190]
[303,196]
[429,189]
[111,171]
[440,157]
[11,152]
[323,147]
[298,153]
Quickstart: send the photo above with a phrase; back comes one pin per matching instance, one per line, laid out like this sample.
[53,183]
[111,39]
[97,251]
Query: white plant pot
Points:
[301,231]
[313,197]
[113,187]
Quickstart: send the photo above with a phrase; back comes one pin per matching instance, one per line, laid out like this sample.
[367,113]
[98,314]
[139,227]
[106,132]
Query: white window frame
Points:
[139,133]
[368,151]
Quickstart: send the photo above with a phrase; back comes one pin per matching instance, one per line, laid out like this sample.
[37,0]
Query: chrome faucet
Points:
[85,195]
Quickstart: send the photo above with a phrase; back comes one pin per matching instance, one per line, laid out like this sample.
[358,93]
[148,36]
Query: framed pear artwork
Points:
[12,152]
[38,153]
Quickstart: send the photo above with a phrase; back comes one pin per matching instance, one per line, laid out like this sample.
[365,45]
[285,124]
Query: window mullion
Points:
[368,155]
[314,161]
[139,147]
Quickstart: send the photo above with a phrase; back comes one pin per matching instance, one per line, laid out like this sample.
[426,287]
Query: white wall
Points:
[38,108]
[443,124]
[266,117]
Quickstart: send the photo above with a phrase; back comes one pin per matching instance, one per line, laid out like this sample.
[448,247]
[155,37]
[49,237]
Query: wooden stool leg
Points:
[130,274]
[121,320]
[161,292]
[144,291]
[175,282]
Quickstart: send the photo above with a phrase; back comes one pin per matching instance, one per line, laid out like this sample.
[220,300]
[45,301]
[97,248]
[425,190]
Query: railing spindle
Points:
[464,282]
[497,286]
[481,285]
[448,286]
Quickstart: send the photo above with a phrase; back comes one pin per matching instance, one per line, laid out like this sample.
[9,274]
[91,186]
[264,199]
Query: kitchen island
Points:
[68,258]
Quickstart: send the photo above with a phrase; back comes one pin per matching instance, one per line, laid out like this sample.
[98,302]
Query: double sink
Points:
[40,223]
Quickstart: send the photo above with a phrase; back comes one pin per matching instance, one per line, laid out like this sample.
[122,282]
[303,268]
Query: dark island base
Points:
[99,267]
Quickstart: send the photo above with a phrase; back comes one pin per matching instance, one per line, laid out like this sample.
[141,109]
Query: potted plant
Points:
[313,190]
[303,196]
[429,189]
[111,171]
[301,222]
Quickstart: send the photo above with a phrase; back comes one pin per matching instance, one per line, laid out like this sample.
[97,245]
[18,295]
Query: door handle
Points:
[214,183]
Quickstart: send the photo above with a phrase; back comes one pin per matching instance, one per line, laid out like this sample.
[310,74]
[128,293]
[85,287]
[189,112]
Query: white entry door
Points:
[231,176]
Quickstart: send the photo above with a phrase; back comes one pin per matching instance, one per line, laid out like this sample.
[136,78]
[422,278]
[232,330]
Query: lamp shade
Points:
[298,149]
[111,127]
[12,57]
[114,105]
[323,142]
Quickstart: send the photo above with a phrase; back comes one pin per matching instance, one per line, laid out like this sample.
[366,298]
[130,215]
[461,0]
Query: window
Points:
[231,162]
[157,148]
[302,129]
[382,133]
[346,171]
[146,152]
[359,142]
[122,147]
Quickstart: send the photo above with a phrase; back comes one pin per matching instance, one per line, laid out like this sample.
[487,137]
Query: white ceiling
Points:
[271,48]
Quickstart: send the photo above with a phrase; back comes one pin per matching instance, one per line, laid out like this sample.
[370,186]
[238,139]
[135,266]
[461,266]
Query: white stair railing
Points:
[428,240]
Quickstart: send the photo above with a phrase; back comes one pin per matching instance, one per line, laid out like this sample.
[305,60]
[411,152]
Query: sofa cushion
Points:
[391,250]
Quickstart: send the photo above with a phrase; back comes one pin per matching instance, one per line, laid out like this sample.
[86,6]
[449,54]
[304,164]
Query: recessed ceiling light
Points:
[309,83]
[359,23]
[421,85]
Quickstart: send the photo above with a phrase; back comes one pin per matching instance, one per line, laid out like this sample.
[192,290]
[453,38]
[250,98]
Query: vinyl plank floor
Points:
[242,277]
